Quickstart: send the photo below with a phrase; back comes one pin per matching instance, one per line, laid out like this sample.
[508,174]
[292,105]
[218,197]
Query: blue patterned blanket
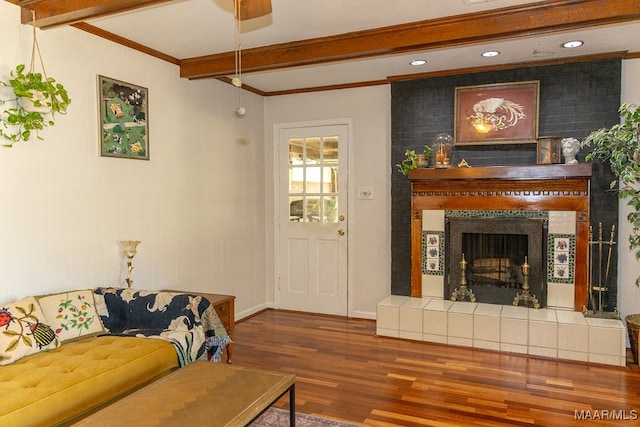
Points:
[188,321]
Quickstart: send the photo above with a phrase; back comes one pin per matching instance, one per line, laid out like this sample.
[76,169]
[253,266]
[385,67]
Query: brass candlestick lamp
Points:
[463,292]
[525,296]
[129,251]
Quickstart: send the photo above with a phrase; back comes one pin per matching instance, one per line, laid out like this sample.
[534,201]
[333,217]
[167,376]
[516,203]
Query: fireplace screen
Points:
[495,250]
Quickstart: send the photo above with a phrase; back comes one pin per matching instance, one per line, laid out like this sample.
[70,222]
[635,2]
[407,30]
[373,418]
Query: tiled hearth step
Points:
[545,332]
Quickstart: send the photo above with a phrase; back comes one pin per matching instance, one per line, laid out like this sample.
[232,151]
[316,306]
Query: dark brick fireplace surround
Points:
[575,99]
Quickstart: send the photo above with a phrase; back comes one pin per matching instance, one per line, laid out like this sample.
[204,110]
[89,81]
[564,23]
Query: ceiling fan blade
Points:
[250,9]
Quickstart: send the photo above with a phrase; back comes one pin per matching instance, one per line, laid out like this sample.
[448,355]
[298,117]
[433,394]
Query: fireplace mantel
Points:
[540,188]
[504,173]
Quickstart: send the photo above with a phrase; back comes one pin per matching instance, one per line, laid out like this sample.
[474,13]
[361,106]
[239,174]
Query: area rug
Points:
[275,417]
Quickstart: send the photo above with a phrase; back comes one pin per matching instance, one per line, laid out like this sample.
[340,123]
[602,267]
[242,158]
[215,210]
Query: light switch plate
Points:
[365,193]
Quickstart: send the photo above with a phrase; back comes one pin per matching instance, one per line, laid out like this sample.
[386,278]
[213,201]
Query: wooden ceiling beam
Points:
[50,13]
[539,18]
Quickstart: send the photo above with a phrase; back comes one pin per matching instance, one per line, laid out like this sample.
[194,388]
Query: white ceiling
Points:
[190,28]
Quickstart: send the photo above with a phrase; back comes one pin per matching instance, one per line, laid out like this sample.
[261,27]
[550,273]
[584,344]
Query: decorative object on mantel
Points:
[463,164]
[413,160]
[129,251]
[37,99]
[570,147]
[525,296]
[463,292]
[442,146]
[597,310]
[548,150]
[504,113]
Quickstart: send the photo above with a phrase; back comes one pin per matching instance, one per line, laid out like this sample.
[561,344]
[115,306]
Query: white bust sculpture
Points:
[570,147]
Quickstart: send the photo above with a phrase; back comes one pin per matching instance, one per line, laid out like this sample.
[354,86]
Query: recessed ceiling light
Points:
[572,44]
[490,53]
[418,62]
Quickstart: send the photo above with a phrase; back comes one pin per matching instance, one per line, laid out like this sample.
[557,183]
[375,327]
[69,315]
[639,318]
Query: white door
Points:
[313,219]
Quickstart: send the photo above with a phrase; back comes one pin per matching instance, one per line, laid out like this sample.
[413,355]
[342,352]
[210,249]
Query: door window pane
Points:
[313,150]
[296,209]
[330,150]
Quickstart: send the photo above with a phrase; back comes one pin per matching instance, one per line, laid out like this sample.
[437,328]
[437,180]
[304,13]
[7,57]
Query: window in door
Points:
[313,179]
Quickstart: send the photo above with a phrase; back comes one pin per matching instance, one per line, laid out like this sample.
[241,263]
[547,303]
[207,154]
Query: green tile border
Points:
[495,214]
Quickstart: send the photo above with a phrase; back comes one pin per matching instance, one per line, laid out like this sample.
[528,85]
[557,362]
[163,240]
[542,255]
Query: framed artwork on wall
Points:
[124,121]
[504,113]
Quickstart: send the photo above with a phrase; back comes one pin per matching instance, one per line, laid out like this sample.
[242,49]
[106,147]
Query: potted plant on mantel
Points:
[37,99]
[413,160]
[620,146]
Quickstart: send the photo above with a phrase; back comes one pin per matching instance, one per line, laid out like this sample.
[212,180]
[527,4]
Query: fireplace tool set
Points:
[601,288]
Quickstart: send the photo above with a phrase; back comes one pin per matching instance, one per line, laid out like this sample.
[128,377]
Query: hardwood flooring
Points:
[345,371]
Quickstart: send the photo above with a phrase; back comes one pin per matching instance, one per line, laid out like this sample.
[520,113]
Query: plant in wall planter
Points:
[37,99]
[620,146]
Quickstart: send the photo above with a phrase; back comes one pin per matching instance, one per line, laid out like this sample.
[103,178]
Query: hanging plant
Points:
[37,99]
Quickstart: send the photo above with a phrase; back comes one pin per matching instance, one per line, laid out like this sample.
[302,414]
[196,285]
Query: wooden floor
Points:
[345,371]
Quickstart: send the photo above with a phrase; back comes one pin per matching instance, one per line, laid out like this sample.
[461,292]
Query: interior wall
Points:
[368,220]
[196,204]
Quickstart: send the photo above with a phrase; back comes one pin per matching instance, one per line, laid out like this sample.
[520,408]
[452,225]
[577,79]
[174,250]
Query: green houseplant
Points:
[620,146]
[37,99]
[413,160]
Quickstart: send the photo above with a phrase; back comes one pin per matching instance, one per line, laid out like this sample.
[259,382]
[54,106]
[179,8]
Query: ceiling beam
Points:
[539,18]
[50,13]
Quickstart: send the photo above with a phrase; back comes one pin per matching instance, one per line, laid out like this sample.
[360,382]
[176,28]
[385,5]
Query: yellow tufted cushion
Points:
[52,386]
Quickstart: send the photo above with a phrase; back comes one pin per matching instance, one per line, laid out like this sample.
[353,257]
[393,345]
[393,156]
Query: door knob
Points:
[341,232]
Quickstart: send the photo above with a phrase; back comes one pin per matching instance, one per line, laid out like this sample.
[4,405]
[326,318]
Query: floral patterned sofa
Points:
[67,354]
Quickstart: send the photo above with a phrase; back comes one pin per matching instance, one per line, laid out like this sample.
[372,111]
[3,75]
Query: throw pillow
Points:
[24,330]
[72,314]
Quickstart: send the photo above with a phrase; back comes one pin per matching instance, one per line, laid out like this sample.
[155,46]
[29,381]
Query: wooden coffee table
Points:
[202,393]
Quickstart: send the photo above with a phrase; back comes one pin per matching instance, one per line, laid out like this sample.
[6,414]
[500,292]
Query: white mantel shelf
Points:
[549,333]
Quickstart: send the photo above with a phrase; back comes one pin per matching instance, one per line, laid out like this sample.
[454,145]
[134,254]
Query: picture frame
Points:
[503,113]
[123,119]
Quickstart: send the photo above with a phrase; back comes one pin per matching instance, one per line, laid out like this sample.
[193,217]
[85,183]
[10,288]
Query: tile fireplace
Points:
[497,216]
[539,212]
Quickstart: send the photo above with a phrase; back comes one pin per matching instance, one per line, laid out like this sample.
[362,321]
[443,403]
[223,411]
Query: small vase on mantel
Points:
[422,160]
